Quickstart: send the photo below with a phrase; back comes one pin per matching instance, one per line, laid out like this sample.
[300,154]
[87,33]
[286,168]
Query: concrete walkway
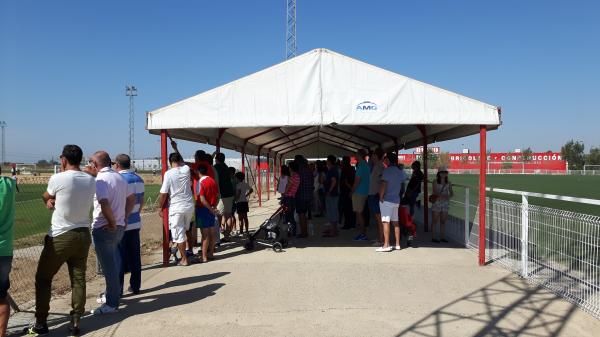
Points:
[333,287]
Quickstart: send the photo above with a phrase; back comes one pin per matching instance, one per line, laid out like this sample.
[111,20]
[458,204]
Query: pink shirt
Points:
[111,186]
[293,183]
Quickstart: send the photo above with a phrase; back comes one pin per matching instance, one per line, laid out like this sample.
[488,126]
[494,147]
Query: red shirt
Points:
[293,184]
[209,172]
[208,189]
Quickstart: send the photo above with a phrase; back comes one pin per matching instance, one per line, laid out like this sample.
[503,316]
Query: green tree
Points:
[593,158]
[572,152]
[527,154]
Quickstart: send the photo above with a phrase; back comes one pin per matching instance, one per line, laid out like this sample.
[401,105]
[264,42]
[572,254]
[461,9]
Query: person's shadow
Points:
[149,301]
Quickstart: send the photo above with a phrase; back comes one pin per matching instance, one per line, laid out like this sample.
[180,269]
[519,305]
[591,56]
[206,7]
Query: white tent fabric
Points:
[355,103]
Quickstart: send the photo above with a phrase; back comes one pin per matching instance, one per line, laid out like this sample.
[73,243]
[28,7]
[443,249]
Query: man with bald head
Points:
[108,227]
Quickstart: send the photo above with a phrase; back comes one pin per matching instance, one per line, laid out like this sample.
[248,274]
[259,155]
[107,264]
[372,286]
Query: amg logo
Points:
[366,106]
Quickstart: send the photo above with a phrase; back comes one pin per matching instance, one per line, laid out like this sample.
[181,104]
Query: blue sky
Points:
[64,64]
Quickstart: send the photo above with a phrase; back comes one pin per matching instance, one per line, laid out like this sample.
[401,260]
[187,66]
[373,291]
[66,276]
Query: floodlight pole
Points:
[3,125]
[131,91]
[290,36]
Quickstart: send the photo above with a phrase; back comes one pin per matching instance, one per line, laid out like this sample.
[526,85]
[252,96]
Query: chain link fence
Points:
[32,222]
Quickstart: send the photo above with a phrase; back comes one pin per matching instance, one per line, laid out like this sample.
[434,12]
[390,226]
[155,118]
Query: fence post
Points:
[467,217]
[524,235]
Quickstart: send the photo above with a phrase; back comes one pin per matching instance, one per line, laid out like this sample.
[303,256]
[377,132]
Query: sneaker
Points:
[384,249]
[35,329]
[74,326]
[104,309]
[135,292]
[361,237]
[397,248]
[101,299]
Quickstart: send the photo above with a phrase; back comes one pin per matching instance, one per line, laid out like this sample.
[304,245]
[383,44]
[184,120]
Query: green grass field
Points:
[32,217]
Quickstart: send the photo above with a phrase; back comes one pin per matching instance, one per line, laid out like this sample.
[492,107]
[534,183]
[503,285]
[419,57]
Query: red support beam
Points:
[426,179]
[353,135]
[286,135]
[165,211]
[275,169]
[393,138]
[294,148]
[260,134]
[244,159]
[344,139]
[290,140]
[332,141]
[268,176]
[482,183]
[220,133]
[258,174]
[293,145]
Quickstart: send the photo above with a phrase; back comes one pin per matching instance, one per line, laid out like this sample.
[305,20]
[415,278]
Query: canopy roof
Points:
[322,102]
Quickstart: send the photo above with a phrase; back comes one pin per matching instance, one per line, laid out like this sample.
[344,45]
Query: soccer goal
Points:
[505,167]
[27,169]
[590,169]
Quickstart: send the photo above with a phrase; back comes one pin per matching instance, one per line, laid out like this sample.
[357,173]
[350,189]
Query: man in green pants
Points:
[70,194]
[7,219]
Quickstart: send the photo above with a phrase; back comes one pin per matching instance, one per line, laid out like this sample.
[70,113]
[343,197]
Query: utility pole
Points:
[3,125]
[290,36]
[131,91]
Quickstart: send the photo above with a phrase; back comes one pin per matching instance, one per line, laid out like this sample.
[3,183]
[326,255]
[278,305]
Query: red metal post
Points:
[165,211]
[244,160]
[425,181]
[220,133]
[275,169]
[268,176]
[482,200]
[258,174]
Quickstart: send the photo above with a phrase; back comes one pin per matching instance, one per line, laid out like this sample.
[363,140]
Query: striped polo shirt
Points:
[135,185]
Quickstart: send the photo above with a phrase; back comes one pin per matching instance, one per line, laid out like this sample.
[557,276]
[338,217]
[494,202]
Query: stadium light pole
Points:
[131,91]
[3,125]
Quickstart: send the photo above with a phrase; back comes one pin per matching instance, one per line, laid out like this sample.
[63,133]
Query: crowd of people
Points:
[200,195]
[375,191]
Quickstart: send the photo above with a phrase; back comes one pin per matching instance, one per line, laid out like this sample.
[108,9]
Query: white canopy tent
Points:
[322,102]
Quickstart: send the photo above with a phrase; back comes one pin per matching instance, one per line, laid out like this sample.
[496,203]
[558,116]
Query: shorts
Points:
[204,218]
[5,267]
[358,202]
[389,211]
[179,223]
[441,206]
[373,202]
[242,207]
[302,206]
[225,205]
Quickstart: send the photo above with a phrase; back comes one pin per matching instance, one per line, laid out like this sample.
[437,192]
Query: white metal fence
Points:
[557,249]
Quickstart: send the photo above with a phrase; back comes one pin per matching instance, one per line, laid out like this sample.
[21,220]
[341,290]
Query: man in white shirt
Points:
[108,226]
[69,194]
[176,186]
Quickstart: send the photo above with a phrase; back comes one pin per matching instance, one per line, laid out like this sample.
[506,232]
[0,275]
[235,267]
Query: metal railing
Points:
[557,249]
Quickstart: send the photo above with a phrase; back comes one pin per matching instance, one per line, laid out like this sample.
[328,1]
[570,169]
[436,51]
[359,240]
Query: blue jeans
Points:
[106,244]
[129,249]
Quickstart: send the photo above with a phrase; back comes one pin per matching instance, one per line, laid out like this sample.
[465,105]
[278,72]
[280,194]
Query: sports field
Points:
[33,218]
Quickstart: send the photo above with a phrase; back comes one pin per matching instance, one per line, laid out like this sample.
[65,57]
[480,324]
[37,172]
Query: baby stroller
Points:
[273,232]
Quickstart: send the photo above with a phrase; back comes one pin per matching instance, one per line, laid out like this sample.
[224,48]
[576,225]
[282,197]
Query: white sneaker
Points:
[101,299]
[104,309]
[384,249]
[397,248]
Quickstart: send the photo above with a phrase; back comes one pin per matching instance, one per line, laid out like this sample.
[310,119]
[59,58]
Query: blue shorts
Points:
[204,218]
[373,201]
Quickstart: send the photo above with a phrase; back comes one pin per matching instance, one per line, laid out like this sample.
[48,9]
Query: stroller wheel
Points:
[277,247]
[249,245]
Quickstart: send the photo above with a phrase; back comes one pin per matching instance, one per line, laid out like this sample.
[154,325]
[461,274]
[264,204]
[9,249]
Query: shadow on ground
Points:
[509,306]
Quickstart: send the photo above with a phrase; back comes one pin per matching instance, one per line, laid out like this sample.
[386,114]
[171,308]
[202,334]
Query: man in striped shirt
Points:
[129,247]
